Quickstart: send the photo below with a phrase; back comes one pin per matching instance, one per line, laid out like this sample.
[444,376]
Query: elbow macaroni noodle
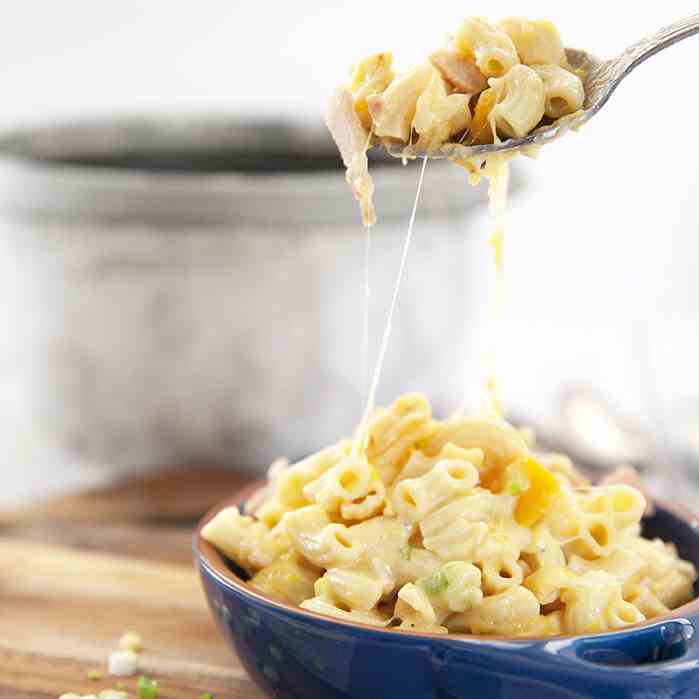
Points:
[491,49]
[520,100]
[537,41]
[563,90]
[454,526]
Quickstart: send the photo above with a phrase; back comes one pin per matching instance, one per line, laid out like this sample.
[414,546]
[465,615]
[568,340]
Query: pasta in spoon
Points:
[491,82]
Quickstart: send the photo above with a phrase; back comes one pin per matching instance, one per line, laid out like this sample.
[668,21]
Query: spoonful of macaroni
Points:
[493,88]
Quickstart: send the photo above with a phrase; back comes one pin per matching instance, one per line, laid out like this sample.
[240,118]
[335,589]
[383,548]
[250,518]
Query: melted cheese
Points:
[371,398]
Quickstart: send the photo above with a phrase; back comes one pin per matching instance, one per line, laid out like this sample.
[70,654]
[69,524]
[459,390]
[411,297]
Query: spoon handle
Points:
[650,45]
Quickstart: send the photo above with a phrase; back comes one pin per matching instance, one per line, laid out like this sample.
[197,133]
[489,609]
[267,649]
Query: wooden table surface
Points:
[78,571]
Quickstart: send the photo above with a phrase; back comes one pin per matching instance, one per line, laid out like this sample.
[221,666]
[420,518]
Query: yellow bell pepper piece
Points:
[481,130]
[534,502]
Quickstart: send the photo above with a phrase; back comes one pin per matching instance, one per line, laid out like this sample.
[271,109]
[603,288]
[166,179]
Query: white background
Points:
[602,249]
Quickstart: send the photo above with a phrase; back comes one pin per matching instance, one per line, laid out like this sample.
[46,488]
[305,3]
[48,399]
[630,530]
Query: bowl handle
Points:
[655,647]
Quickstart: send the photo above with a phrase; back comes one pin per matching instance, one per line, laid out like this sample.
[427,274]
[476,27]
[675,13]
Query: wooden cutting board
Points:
[74,577]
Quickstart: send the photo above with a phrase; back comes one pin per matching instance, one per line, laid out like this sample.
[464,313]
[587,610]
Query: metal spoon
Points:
[601,78]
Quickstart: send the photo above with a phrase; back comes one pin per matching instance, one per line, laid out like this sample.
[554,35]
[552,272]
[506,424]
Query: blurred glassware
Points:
[599,437]
[598,433]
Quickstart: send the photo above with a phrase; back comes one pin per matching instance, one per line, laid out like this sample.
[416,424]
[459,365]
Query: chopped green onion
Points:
[147,689]
[94,675]
[515,488]
[436,583]
[406,551]
[517,481]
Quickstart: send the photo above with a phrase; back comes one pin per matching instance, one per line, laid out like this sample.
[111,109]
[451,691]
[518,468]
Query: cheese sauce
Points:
[365,319]
[371,398]
[495,169]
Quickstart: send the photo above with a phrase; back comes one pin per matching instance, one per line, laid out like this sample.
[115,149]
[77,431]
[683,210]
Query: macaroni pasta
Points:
[453,526]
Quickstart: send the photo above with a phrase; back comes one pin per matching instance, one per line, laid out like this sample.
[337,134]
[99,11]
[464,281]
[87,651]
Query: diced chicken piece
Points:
[393,111]
[459,71]
[628,475]
[369,77]
[352,141]
[439,115]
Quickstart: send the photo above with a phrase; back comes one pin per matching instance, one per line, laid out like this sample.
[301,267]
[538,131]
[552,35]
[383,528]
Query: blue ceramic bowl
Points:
[291,653]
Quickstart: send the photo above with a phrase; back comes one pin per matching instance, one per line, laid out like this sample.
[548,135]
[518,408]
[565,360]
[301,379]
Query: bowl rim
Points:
[209,557]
